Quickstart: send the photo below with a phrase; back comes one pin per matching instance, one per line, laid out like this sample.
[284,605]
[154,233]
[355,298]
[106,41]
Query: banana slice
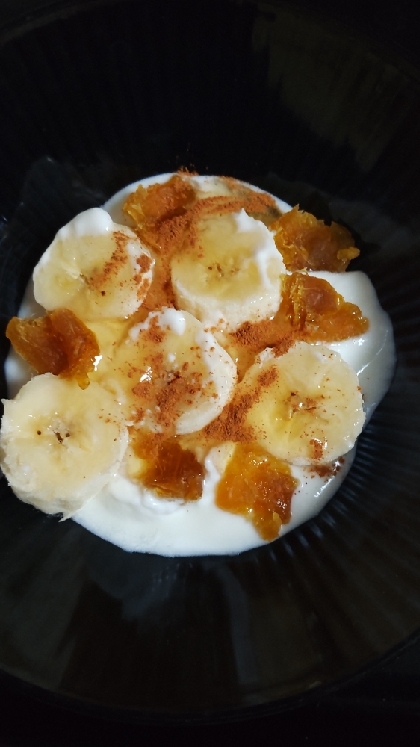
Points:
[95,267]
[307,404]
[230,272]
[59,444]
[175,376]
[109,334]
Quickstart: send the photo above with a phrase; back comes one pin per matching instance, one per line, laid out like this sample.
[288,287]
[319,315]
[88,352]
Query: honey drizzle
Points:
[58,343]
[261,491]
[308,244]
[168,469]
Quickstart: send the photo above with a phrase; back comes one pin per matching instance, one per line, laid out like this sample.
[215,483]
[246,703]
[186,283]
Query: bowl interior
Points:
[102,94]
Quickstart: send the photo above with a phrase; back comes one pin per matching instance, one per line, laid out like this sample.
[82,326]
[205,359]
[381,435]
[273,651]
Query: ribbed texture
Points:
[115,92]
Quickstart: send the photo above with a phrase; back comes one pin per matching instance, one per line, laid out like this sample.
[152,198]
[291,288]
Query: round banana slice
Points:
[95,267]
[230,273]
[174,376]
[59,444]
[307,404]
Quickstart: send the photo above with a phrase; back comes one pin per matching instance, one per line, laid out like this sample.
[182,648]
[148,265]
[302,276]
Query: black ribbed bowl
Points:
[96,95]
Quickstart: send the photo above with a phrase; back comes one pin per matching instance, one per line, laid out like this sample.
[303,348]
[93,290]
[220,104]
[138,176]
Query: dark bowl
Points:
[96,95]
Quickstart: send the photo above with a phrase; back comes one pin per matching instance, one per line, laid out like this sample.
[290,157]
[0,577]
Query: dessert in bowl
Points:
[230,379]
[281,108]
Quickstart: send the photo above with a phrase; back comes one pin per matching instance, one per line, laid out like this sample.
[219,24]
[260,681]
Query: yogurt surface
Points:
[136,519]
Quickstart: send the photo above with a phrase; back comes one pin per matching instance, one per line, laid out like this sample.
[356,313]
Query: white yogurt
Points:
[137,520]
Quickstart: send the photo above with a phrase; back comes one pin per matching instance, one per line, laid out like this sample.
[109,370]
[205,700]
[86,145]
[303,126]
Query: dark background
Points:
[382,706]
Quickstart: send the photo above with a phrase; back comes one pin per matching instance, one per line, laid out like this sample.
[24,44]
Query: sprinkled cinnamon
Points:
[167,220]
[171,220]
[112,267]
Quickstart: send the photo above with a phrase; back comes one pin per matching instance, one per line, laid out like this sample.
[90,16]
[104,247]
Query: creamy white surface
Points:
[136,520]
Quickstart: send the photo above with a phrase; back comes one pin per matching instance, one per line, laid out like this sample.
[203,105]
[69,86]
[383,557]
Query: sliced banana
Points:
[307,404]
[59,444]
[174,376]
[230,272]
[95,267]
[109,334]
